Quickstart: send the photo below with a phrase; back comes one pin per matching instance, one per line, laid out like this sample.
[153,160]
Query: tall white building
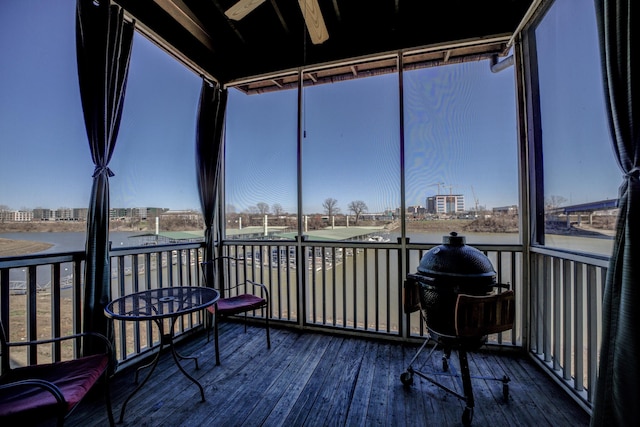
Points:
[445,204]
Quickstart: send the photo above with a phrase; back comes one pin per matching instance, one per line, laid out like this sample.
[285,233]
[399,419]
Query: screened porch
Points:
[329,163]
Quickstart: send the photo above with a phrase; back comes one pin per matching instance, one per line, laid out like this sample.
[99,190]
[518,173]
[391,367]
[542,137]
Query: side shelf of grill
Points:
[484,315]
[411,297]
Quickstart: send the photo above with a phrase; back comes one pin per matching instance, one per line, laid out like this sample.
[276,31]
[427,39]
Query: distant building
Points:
[80,214]
[21,216]
[375,216]
[64,214]
[416,211]
[185,214]
[116,214]
[506,210]
[146,213]
[445,204]
[141,213]
[43,214]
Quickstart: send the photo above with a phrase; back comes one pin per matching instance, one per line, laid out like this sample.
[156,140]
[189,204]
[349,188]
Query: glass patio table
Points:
[159,305]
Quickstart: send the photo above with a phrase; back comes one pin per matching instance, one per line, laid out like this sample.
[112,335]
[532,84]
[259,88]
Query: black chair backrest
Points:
[211,268]
[4,350]
[208,268]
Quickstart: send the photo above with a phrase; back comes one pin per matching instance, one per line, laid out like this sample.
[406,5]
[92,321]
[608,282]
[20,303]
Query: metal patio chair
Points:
[236,297]
[32,394]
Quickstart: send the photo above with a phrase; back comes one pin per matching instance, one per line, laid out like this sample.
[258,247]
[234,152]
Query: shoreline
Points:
[11,247]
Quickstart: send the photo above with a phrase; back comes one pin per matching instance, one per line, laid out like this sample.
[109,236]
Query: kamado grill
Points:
[455,290]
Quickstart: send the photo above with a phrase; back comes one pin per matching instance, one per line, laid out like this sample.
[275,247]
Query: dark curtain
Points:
[617,395]
[209,135]
[103,48]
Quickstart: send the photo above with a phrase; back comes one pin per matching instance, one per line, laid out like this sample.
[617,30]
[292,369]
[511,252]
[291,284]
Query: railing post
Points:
[301,275]
[594,305]
[579,326]
[566,318]
[4,313]
[403,262]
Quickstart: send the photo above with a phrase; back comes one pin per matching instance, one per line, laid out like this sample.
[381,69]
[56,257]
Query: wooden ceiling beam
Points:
[337,10]
[189,21]
[280,17]
[229,22]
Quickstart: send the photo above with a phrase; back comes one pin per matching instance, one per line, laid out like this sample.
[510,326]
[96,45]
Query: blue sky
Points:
[459,127]
[579,159]
[42,127]
[459,131]
[38,98]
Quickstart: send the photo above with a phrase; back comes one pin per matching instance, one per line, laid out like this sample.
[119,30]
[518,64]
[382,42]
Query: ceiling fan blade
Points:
[314,20]
[242,9]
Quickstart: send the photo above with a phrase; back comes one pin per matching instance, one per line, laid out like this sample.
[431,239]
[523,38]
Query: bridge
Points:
[585,208]
[602,205]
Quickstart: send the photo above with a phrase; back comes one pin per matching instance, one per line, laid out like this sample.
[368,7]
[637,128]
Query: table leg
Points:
[164,339]
[177,357]
[181,357]
[152,365]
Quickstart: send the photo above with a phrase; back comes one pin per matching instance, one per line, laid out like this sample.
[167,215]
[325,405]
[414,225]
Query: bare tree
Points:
[554,202]
[315,222]
[358,207]
[263,208]
[277,209]
[4,211]
[330,206]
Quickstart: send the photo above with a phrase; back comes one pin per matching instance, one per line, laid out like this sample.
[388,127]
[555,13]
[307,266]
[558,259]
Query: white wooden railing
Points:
[344,287]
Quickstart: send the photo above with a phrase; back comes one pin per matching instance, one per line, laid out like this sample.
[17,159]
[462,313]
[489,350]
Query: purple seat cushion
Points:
[74,378]
[238,304]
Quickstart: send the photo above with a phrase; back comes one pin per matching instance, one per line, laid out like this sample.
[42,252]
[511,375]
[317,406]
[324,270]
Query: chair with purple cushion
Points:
[236,298]
[32,394]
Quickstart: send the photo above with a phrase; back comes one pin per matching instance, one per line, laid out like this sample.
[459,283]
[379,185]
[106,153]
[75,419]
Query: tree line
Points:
[330,206]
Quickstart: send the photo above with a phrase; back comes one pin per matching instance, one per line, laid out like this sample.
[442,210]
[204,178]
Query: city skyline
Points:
[65,211]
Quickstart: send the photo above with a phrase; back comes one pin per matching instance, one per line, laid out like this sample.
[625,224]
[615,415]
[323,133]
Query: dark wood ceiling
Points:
[273,36]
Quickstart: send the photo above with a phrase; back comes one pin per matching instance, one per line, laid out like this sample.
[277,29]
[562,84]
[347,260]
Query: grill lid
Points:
[454,259]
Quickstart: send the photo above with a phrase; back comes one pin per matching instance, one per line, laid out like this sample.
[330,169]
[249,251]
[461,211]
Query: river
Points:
[327,300]
[75,241]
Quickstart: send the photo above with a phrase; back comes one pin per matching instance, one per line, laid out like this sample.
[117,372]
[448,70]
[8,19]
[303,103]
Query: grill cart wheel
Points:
[406,378]
[445,364]
[467,416]
[505,388]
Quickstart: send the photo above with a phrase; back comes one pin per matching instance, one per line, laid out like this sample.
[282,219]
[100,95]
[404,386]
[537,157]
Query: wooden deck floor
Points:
[310,379]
